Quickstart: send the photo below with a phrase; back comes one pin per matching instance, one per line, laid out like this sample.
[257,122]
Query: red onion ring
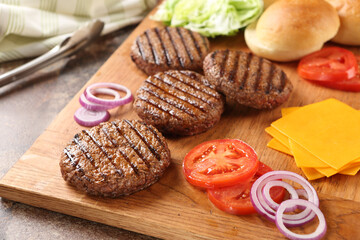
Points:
[320,230]
[302,193]
[266,193]
[109,102]
[90,118]
[262,208]
[94,106]
[268,212]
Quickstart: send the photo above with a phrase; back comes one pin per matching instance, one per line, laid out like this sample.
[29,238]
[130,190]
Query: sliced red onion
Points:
[108,102]
[264,209]
[94,106]
[320,230]
[90,118]
[302,193]
[276,183]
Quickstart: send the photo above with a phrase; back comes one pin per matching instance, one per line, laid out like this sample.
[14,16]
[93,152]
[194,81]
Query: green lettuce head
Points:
[209,17]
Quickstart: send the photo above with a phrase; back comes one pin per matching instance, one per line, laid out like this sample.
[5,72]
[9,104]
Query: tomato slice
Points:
[220,163]
[236,199]
[328,64]
[351,85]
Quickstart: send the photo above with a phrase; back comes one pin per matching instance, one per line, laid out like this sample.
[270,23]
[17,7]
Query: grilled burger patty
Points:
[115,158]
[163,48]
[250,80]
[179,103]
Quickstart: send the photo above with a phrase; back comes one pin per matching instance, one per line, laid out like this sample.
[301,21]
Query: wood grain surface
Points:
[172,208]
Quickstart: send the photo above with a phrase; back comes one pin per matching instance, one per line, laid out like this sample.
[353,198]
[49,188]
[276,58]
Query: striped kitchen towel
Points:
[30,28]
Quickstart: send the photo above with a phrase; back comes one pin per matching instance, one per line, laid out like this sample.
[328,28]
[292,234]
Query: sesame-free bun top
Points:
[349,13]
[291,29]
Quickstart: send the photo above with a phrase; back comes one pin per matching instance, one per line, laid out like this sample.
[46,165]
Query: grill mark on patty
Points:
[181,108]
[259,74]
[234,70]
[174,46]
[246,70]
[75,164]
[87,155]
[134,147]
[140,47]
[97,144]
[187,100]
[282,81]
[127,159]
[204,100]
[152,129]
[115,144]
[109,157]
[72,160]
[193,76]
[166,53]
[107,134]
[223,63]
[154,54]
[84,176]
[84,150]
[270,79]
[213,55]
[195,42]
[159,107]
[211,93]
[143,138]
[185,45]
[204,42]
[173,86]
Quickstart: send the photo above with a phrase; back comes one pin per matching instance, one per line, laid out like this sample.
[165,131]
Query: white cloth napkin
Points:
[30,28]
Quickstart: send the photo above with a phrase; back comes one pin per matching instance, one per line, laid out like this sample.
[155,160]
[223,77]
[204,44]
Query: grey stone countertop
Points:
[26,109]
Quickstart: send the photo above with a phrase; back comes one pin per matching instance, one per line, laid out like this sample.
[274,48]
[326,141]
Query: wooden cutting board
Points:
[172,208]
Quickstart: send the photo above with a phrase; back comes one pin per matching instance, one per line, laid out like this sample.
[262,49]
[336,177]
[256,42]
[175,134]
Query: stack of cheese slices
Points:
[323,137]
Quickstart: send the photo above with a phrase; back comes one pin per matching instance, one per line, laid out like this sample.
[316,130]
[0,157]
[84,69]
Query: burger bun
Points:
[349,13]
[291,29]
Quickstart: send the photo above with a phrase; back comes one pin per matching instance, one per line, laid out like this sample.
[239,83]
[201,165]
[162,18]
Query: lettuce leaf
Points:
[209,17]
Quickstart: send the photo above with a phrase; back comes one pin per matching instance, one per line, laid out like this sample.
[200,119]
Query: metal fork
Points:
[78,40]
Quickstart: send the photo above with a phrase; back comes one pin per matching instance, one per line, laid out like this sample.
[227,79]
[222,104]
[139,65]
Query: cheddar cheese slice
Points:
[351,170]
[288,110]
[311,173]
[304,158]
[329,130]
[283,139]
[275,144]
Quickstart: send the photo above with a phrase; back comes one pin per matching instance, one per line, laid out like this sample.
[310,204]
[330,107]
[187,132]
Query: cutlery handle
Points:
[30,67]
[68,46]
